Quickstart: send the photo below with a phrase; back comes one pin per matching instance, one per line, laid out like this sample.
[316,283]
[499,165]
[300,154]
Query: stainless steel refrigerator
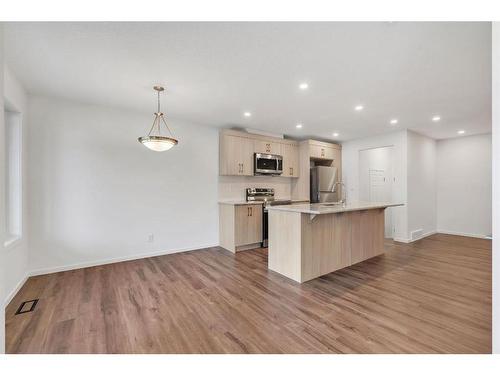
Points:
[324,187]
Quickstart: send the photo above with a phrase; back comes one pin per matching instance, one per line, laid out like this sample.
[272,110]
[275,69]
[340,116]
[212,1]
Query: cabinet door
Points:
[236,156]
[267,147]
[290,160]
[248,224]
[337,158]
[316,152]
[329,153]
[246,156]
[321,152]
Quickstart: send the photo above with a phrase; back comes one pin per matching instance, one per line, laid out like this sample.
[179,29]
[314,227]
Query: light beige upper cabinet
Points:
[321,152]
[248,224]
[236,153]
[267,147]
[235,156]
[290,160]
[337,158]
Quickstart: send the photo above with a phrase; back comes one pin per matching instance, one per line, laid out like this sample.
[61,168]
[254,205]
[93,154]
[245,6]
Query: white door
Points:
[377,185]
[376,180]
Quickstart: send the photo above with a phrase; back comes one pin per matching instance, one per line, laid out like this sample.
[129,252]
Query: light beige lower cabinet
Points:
[240,226]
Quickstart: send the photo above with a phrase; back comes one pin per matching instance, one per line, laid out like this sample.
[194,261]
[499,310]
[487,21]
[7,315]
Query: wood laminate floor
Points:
[432,296]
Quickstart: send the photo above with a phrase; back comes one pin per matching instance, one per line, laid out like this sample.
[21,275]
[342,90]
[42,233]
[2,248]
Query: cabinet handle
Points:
[248,211]
[241,167]
[291,171]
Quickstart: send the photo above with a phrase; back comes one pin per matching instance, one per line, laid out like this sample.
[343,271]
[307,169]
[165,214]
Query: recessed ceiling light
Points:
[247,114]
[394,121]
[436,118]
[335,134]
[304,86]
[461,132]
[359,107]
[298,126]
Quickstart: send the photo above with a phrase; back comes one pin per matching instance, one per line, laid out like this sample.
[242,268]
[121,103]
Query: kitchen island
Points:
[310,240]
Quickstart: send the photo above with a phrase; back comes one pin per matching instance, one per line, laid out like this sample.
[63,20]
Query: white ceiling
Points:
[216,71]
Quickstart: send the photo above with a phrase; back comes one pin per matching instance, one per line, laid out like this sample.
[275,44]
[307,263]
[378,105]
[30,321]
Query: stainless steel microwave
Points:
[268,164]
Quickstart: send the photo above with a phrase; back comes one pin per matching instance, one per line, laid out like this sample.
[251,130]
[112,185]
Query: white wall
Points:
[464,185]
[3,266]
[445,185]
[96,193]
[421,173]
[16,254]
[350,172]
[496,187]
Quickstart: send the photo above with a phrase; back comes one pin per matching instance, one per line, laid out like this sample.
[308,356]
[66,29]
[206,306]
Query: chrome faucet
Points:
[343,197]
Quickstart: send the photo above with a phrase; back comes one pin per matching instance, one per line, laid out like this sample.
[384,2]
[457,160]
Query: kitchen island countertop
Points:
[322,208]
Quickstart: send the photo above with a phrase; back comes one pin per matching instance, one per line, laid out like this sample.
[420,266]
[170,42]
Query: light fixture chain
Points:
[158,102]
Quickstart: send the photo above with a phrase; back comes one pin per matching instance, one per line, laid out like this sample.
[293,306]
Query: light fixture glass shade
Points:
[155,140]
[158,143]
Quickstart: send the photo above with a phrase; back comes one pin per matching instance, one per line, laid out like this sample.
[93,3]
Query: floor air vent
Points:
[27,306]
[416,234]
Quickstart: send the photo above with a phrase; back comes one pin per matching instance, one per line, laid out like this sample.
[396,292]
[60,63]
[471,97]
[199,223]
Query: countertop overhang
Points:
[244,203]
[321,208]
[240,203]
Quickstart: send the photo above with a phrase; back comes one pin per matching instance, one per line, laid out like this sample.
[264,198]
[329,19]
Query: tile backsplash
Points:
[233,187]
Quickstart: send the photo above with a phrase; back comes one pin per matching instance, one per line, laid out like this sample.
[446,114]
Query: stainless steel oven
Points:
[265,195]
[268,164]
[265,218]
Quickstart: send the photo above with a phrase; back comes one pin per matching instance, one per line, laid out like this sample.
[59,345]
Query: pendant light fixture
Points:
[155,140]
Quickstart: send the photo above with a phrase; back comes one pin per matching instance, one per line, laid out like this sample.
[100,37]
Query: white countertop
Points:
[320,208]
[240,203]
[243,202]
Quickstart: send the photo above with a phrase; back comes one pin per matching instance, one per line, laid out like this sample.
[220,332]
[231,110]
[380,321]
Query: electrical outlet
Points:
[151,237]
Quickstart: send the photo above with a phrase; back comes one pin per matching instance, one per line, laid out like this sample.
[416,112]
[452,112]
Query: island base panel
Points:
[303,247]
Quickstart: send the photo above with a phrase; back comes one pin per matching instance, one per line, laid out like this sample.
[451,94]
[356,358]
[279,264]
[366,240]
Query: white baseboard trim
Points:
[408,240]
[100,262]
[474,235]
[403,240]
[16,289]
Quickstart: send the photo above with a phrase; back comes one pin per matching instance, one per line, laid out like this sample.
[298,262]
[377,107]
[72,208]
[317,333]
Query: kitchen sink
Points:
[331,204]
